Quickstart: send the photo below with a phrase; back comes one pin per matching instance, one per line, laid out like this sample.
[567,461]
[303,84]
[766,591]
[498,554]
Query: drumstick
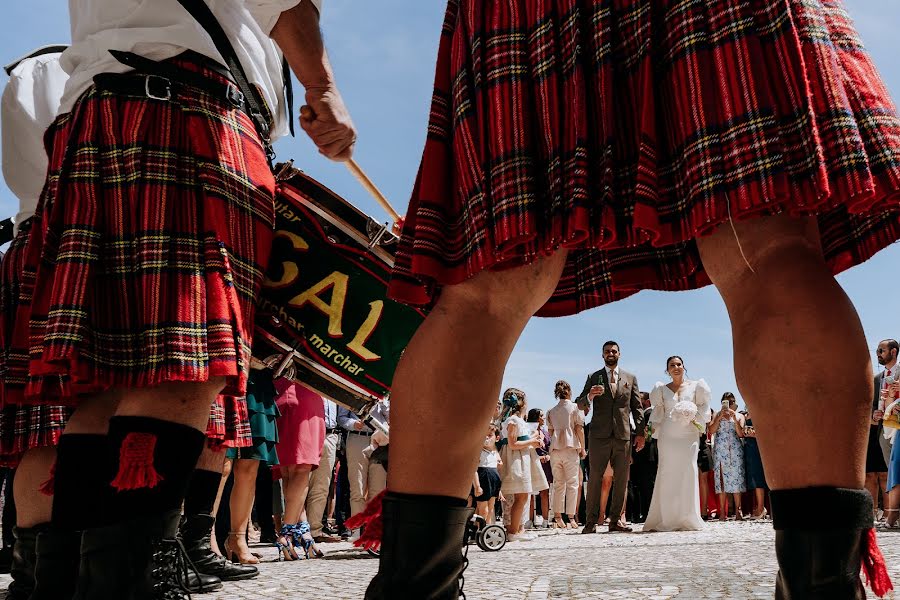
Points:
[306,112]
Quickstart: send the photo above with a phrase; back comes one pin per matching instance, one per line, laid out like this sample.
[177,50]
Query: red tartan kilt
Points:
[21,427]
[625,129]
[147,250]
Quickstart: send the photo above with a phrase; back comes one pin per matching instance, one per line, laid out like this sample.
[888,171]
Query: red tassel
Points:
[136,470]
[370,519]
[47,487]
[875,568]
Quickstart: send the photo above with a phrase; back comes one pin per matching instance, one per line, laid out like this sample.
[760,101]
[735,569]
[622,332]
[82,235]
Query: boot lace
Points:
[462,573]
[170,570]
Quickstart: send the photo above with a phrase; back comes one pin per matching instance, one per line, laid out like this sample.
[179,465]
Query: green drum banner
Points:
[328,291]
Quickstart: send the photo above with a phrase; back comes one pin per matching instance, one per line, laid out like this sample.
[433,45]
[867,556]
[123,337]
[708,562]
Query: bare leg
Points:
[792,306]
[296,487]
[893,504]
[760,502]
[242,495]
[738,513]
[226,472]
[472,330]
[545,505]
[518,509]
[723,507]
[490,515]
[605,488]
[704,494]
[32,506]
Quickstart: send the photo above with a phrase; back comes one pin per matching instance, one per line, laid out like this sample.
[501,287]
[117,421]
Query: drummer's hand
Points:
[329,125]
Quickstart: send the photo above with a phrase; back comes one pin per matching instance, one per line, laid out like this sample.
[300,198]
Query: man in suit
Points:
[878,455]
[613,395]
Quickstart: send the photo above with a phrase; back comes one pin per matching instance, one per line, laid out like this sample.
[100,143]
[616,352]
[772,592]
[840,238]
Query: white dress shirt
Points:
[29,105]
[161,29]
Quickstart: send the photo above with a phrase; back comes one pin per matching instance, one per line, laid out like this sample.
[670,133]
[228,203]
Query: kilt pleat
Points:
[21,427]
[147,251]
[623,130]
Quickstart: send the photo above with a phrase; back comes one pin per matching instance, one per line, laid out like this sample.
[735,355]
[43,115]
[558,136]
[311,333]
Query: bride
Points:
[680,413]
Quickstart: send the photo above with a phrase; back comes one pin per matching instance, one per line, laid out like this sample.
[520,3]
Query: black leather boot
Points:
[56,568]
[23,559]
[822,540]
[139,559]
[196,531]
[421,548]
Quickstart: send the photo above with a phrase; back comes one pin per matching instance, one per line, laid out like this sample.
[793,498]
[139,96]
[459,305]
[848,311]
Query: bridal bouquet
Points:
[684,412]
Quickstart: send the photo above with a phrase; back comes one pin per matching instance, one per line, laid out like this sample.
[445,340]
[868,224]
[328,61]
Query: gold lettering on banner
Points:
[291,271]
[365,332]
[337,283]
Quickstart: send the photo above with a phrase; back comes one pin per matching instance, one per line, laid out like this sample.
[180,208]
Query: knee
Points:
[506,295]
[765,244]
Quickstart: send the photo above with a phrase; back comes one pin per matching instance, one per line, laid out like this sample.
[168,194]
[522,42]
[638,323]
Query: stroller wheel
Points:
[375,553]
[492,538]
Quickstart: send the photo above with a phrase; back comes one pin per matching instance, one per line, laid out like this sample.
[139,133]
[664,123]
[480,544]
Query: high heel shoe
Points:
[302,538]
[233,556]
[284,541]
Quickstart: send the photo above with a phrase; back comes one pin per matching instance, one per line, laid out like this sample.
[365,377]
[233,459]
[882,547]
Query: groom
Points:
[614,394]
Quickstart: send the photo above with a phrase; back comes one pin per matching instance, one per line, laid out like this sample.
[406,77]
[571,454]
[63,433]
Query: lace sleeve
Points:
[702,396]
[657,402]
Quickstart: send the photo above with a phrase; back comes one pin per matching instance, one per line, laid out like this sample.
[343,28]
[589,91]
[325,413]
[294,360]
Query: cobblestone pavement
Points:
[726,560]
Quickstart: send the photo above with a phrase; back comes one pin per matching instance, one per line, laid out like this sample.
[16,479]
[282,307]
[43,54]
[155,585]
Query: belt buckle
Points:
[165,82]
[235,96]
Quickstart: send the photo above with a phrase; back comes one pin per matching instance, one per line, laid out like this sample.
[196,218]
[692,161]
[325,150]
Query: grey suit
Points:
[609,440]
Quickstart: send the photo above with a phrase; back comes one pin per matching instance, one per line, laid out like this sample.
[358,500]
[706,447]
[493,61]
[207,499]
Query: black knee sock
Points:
[81,492]
[201,492]
[154,461]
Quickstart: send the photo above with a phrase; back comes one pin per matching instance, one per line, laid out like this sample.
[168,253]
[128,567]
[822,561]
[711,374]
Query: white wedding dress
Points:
[676,496]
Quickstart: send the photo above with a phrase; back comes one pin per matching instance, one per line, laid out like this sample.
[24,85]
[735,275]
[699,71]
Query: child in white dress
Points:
[521,473]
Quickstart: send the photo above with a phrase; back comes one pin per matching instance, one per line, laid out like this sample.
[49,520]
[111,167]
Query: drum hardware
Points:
[324,319]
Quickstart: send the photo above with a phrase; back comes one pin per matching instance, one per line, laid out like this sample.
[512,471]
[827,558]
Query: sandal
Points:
[302,538]
[232,554]
[283,543]
[888,524]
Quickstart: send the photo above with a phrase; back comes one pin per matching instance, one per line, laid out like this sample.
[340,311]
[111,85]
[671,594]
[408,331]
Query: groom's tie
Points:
[613,382]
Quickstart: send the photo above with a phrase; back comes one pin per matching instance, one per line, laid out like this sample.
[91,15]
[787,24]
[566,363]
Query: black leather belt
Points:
[330,430]
[160,81]
[366,433]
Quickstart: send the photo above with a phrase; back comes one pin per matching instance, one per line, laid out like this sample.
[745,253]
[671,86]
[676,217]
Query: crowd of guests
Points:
[533,468]
[883,455]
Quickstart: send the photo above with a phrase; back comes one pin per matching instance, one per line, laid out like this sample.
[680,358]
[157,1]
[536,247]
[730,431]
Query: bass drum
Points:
[323,318]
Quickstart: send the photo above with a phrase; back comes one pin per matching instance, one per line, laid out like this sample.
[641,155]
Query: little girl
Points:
[522,474]
[488,476]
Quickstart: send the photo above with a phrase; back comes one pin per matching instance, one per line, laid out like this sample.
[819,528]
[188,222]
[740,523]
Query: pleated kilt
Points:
[21,427]
[147,252]
[625,129]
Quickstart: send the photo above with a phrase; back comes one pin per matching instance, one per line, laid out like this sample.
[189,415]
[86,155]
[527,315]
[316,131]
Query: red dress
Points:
[301,424]
[625,129]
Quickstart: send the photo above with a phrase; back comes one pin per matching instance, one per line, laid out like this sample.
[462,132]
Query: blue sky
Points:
[384,54]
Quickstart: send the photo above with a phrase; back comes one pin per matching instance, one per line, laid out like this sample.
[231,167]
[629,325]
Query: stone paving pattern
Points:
[726,560]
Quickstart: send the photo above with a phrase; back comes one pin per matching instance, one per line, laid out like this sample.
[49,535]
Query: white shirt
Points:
[29,105]
[489,458]
[161,29]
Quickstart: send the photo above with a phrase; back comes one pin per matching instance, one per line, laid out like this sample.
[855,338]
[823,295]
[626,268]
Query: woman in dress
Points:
[728,456]
[243,463]
[537,419]
[521,472]
[680,409]
[756,475]
[301,427]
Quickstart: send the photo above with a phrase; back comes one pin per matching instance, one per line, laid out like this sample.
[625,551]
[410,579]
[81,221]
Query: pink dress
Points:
[301,426]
